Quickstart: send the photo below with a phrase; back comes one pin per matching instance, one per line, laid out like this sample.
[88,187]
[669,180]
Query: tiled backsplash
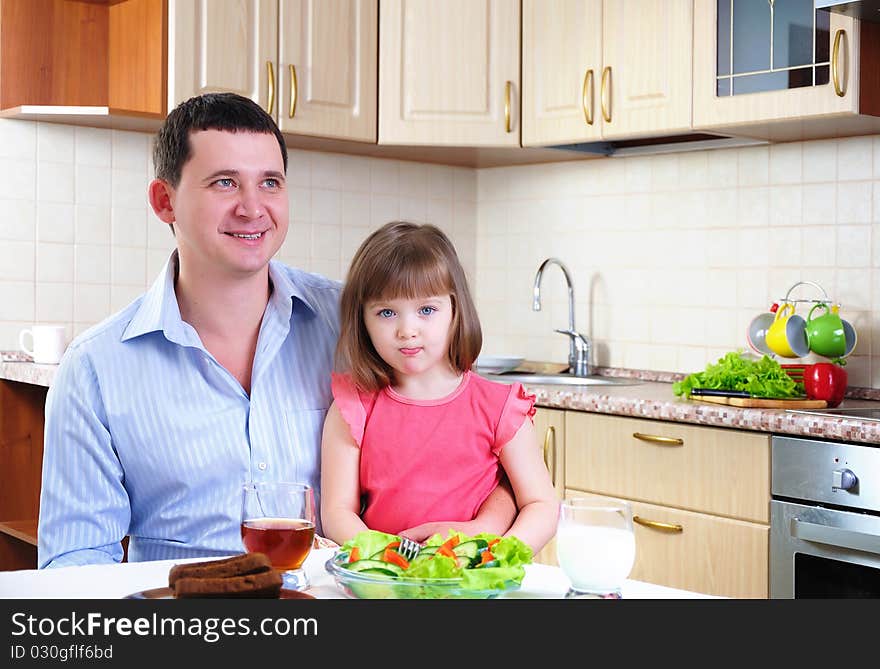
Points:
[78,239]
[671,255]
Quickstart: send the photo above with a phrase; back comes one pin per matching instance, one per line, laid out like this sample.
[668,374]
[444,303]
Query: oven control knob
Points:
[843,479]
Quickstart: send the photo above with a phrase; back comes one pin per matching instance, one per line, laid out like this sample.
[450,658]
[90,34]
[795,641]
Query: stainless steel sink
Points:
[562,379]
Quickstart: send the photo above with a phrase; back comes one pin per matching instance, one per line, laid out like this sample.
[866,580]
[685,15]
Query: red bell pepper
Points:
[493,542]
[354,555]
[450,543]
[486,557]
[446,550]
[825,381]
[392,556]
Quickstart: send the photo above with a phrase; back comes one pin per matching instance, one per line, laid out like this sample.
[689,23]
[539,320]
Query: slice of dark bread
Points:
[266,584]
[239,565]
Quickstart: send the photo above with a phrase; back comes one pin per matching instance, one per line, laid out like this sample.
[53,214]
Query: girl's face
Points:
[411,335]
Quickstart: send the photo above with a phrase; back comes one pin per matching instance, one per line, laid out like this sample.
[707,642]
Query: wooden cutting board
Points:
[756,403]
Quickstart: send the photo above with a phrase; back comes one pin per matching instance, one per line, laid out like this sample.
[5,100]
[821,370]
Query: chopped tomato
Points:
[486,557]
[392,556]
[355,554]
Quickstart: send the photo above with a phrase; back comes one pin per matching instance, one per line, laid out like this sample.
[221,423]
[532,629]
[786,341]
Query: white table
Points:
[119,580]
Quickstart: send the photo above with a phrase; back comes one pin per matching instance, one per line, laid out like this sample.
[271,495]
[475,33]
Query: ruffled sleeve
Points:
[518,406]
[348,400]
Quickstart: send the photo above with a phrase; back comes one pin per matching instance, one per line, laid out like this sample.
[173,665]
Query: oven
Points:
[824,519]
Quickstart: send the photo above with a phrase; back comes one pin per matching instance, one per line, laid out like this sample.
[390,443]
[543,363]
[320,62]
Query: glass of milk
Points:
[595,545]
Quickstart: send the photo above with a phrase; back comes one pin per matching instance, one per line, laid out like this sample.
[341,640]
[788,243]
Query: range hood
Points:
[864,10]
[667,144]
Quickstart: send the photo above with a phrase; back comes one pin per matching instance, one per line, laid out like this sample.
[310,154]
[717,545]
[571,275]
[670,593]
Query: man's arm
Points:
[84,508]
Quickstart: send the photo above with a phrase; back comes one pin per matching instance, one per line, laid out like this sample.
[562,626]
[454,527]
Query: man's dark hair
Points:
[212,111]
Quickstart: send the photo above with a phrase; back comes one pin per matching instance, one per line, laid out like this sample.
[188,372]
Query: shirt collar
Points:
[159,311]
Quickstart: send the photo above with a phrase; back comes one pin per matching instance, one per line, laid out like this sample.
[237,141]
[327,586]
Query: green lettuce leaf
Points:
[760,378]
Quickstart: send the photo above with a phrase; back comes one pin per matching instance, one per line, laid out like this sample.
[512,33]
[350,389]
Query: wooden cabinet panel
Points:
[794,113]
[647,51]
[550,427]
[449,72]
[562,66]
[713,470]
[711,555]
[332,46]
[223,45]
[625,65]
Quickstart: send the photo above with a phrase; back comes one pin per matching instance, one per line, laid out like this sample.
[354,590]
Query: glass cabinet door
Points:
[771,45]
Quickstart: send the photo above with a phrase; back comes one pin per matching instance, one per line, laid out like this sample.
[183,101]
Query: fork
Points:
[409,548]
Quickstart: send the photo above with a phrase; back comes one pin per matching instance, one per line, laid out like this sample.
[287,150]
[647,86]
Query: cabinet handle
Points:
[293,90]
[606,94]
[270,75]
[672,528]
[550,445]
[656,439]
[507,87]
[835,63]
[588,108]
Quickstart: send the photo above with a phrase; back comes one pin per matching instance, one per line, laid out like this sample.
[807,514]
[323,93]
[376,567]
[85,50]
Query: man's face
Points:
[230,209]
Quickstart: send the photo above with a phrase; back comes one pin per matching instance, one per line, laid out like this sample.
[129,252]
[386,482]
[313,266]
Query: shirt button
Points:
[262,466]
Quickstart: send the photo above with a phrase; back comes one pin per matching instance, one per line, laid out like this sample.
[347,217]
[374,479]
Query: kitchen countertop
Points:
[650,398]
[655,400]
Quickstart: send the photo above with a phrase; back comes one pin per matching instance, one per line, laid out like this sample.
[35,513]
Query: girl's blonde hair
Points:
[403,260]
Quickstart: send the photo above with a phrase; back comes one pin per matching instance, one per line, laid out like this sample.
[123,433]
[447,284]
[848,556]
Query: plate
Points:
[497,364]
[359,585]
[168,593]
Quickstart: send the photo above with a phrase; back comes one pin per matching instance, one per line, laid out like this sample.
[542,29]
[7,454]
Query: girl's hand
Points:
[425,531]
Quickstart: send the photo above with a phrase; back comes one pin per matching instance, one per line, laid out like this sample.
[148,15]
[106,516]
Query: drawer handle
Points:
[672,528]
[550,449]
[655,439]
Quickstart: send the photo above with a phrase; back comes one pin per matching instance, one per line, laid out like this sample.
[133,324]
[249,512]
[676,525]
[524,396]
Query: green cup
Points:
[825,333]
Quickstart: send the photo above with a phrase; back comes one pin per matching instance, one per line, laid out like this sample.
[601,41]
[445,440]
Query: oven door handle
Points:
[834,536]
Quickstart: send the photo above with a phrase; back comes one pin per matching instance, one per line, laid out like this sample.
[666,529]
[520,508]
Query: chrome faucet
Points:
[579,345]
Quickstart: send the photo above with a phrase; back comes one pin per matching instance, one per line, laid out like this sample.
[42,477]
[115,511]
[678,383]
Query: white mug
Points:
[49,342]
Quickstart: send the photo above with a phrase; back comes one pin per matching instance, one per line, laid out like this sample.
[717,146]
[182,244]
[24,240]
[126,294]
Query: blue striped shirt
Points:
[147,435]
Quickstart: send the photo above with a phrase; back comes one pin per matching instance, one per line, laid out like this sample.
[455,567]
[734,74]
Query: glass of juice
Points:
[278,519]
[595,545]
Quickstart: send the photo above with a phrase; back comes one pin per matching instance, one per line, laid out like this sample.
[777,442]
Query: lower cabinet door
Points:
[700,552]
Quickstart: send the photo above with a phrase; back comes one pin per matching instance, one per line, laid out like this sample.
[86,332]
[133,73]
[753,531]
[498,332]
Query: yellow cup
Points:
[787,336]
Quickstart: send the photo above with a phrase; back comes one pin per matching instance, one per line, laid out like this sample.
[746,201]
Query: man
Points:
[217,375]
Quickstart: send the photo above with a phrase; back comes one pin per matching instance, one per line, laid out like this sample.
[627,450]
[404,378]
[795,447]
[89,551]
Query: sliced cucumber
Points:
[362,565]
[468,549]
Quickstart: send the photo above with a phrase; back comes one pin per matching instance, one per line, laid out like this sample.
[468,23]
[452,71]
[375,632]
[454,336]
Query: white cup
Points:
[49,343]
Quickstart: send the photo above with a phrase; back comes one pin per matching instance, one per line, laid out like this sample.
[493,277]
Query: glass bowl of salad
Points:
[453,567]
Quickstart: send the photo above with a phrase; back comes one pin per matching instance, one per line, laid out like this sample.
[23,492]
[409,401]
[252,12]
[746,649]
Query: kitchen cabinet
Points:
[21,461]
[700,495]
[80,59]
[550,427]
[449,72]
[312,65]
[605,69]
[784,71]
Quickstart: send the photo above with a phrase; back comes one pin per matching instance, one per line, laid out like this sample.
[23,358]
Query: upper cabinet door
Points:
[449,72]
[763,62]
[562,64]
[223,45]
[328,68]
[645,83]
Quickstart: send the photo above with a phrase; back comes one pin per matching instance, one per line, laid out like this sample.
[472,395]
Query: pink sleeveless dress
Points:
[430,460]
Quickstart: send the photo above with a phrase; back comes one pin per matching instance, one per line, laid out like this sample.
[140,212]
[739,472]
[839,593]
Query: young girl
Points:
[415,442]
